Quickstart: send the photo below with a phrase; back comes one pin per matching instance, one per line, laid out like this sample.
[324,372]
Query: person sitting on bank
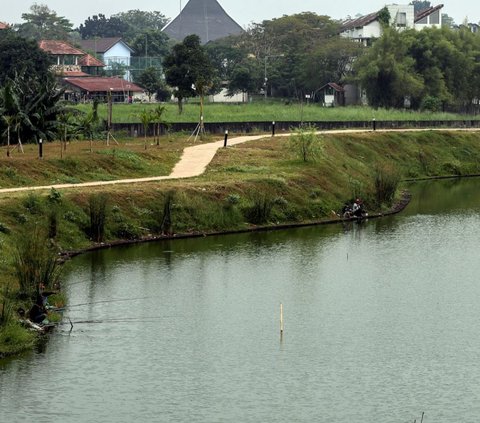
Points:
[38,312]
[358,208]
[346,211]
[45,294]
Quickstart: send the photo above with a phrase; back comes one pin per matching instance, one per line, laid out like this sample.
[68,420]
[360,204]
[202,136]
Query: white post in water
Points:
[281,320]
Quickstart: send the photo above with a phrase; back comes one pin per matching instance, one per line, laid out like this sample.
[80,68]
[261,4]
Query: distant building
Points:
[3,25]
[330,95]
[86,89]
[367,28]
[67,59]
[475,28]
[111,51]
[205,18]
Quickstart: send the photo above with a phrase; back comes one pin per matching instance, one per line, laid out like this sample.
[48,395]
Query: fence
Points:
[136,129]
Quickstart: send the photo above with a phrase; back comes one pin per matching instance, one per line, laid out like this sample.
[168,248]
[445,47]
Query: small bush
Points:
[306,144]
[233,199]
[356,188]
[98,215]
[126,230]
[166,222]
[453,168]
[54,196]
[431,104]
[52,224]
[4,229]
[6,310]
[423,160]
[10,173]
[33,204]
[260,211]
[34,262]
[20,217]
[70,216]
[280,201]
[386,184]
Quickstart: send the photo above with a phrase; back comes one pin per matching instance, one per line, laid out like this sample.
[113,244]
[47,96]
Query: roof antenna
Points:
[205,15]
[180,26]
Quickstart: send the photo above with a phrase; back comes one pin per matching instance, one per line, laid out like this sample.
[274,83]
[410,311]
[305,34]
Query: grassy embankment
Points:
[257,183]
[260,111]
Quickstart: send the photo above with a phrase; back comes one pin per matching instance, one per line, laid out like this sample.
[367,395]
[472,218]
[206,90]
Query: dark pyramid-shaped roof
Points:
[205,18]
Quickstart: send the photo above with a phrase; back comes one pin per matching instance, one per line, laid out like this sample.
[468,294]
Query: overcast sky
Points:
[244,11]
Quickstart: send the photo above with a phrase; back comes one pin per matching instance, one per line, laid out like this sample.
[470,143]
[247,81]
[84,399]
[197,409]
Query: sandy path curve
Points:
[195,160]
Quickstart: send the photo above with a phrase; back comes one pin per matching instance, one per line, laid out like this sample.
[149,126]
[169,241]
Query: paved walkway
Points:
[195,160]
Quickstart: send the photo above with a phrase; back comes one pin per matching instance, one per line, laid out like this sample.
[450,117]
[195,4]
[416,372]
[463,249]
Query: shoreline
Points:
[64,256]
[396,208]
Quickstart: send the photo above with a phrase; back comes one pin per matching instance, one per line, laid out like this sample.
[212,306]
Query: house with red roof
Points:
[79,72]
[3,25]
[100,88]
[69,60]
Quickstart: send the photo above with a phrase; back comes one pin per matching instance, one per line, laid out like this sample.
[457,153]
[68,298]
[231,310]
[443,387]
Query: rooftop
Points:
[205,18]
[102,45]
[60,48]
[88,60]
[426,12]
[101,84]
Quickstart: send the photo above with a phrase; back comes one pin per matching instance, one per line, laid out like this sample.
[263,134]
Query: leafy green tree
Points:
[330,61]
[151,80]
[138,21]
[384,17]
[189,71]
[242,80]
[32,107]
[150,43]
[235,67]
[18,54]
[296,54]
[43,23]
[420,5]
[146,117]
[387,73]
[101,26]
[163,93]
[89,124]
[306,144]
[158,121]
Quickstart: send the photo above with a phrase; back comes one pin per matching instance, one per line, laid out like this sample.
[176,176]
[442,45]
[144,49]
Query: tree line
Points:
[288,57]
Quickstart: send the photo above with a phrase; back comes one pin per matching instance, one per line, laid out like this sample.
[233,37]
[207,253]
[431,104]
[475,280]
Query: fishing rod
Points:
[119,320]
[102,302]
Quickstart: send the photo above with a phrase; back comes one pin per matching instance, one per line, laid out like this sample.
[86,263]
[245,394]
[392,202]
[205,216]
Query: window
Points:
[402,19]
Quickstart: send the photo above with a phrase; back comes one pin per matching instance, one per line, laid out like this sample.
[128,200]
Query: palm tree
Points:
[11,110]
[146,117]
[89,123]
[157,117]
[9,121]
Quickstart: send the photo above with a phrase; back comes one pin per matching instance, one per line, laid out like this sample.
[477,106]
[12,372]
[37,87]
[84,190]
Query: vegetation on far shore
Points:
[265,182]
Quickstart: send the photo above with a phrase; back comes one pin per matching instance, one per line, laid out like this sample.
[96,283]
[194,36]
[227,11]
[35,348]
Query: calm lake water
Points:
[381,324]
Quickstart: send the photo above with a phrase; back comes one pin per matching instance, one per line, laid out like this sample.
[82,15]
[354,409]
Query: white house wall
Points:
[408,11]
[117,54]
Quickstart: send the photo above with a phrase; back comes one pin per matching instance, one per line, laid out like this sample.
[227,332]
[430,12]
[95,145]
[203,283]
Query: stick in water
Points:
[281,320]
